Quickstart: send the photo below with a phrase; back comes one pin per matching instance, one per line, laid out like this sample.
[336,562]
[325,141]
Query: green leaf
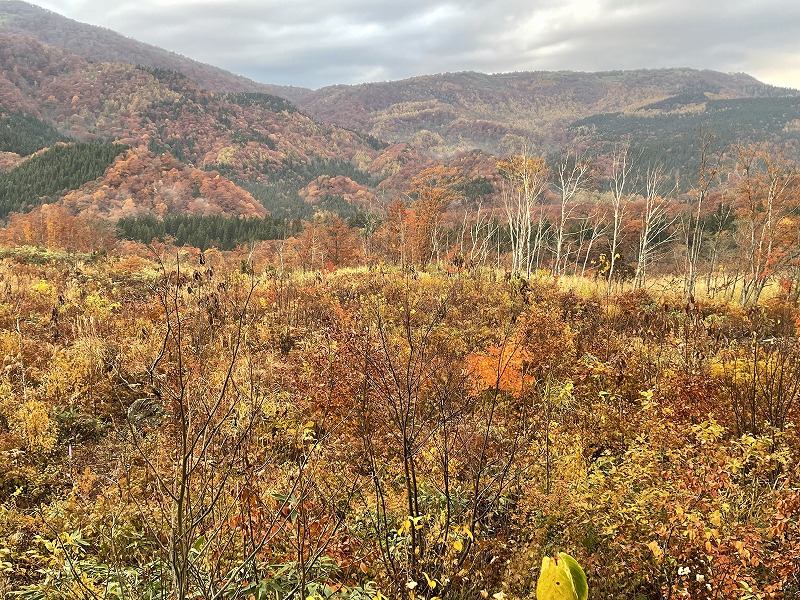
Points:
[578,576]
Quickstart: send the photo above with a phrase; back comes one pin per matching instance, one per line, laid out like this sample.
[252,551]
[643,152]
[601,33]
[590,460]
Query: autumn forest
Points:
[397,341]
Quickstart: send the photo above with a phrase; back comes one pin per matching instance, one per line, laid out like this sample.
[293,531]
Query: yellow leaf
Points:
[404,527]
[458,545]
[561,578]
[431,582]
[655,549]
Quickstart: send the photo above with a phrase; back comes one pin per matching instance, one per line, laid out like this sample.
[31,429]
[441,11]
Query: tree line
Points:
[615,218]
[44,177]
[24,134]
[224,233]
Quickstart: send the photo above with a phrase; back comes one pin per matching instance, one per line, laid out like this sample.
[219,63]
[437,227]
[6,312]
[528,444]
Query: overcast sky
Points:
[313,43]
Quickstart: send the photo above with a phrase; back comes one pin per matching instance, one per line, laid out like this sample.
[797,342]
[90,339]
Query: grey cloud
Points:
[314,43]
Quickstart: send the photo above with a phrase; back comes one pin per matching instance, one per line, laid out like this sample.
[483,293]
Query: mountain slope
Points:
[455,111]
[97,44]
[184,119]
[259,141]
[442,114]
[669,132]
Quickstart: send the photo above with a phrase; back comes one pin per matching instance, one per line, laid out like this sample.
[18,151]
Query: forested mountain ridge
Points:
[447,113]
[258,140]
[451,111]
[213,143]
[98,44]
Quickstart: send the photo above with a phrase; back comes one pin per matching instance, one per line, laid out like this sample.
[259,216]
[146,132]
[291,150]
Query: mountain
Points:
[450,112]
[63,82]
[260,142]
[98,44]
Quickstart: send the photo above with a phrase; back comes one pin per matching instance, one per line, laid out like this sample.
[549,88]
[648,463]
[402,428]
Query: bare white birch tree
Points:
[482,229]
[572,178]
[657,224]
[620,182]
[692,222]
[593,227]
[526,181]
[764,180]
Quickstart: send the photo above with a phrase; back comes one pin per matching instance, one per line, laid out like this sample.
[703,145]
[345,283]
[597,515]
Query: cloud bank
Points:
[313,43]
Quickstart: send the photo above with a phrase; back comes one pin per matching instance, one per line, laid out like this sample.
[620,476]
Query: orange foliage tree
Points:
[432,191]
[53,226]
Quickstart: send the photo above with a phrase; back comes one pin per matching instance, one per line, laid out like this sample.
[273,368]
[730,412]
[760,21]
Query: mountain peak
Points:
[99,44]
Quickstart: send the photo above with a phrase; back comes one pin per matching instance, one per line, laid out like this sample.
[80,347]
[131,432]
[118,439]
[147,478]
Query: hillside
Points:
[97,44]
[260,142]
[669,131]
[450,112]
[621,428]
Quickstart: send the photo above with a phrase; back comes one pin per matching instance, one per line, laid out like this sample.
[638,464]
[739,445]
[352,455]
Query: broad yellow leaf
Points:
[561,578]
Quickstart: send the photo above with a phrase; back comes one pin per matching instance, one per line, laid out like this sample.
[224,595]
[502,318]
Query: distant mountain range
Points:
[294,150]
[456,111]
